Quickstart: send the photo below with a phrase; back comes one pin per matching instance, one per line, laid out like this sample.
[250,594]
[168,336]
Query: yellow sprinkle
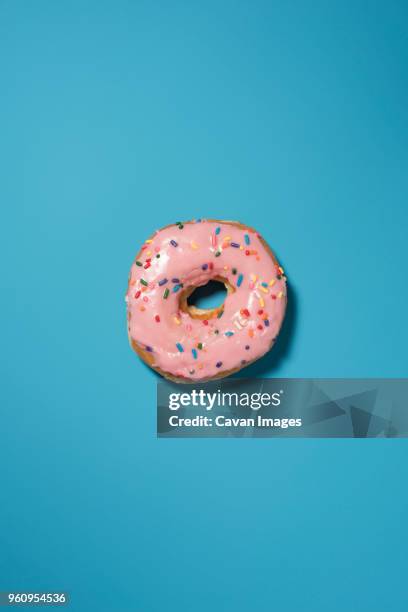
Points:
[227,238]
[272,282]
[225,267]
[148,253]
[177,320]
[142,308]
[194,245]
[280,270]
[241,248]
[261,302]
[149,241]
[264,289]
[254,277]
[280,294]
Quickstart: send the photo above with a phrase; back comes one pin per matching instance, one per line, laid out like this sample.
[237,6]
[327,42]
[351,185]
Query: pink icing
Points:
[253,313]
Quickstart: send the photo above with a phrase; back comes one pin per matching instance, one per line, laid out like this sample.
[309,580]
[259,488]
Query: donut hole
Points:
[206,301]
[211,295]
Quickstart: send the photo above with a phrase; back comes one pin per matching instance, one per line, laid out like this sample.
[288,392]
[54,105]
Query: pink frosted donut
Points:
[185,343]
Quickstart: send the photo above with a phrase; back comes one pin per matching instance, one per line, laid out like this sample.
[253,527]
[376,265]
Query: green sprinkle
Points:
[139,263]
[200,345]
[142,280]
[218,253]
[234,270]
[166,293]
[158,255]
[219,315]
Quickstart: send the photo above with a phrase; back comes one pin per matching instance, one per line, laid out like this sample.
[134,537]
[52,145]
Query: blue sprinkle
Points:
[264,284]
[174,243]
[175,280]
[229,334]
[247,240]
[218,364]
[180,348]
[235,245]
[239,281]
[194,353]
[149,349]
[198,220]
[163,281]
[204,266]
[217,231]
[266,323]
[176,288]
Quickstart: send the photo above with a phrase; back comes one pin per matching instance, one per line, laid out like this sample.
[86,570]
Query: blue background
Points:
[118,118]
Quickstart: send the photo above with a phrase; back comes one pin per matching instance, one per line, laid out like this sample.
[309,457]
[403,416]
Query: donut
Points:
[188,344]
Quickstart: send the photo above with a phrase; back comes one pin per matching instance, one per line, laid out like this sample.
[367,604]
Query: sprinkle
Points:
[263,289]
[225,268]
[180,226]
[218,253]
[218,364]
[200,346]
[148,253]
[245,312]
[247,347]
[251,285]
[280,294]
[157,318]
[148,241]
[142,280]
[137,294]
[241,248]
[254,277]
[177,320]
[162,282]
[204,266]
[211,265]
[166,293]
[261,302]
[194,353]
[180,347]
[205,322]
[239,280]
[219,315]
[273,296]
[158,255]
[247,252]
[217,230]
[246,238]
[147,265]
[149,349]
[175,280]
[235,245]
[229,334]
[234,270]
[173,243]
[260,327]
[216,331]
[260,312]
[177,288]
[266,321]
[251,333]
[139,263]
[264,284]
[243,361]
[272,282]
[145,299]
[198,220]
[194,245]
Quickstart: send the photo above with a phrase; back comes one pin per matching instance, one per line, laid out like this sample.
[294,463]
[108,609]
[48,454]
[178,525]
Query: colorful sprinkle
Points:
[162,282]
[246,238]
[194,353]
[261,302]
[180,347]
[235,245]
[218,364]
[218,253]
[245,312]
[139,263]
[234,270]
[229,334]
[137,294]
[177,288]
[219,315]
[175,280]
[194,245]
[204,266]
[263,289]
[217,231]
[177,320]
[264,284]
[200,346]
[147,265]
[272,282]
[157,318]
[166,294]
[205,322]
[239,280]
[247,347]
[149,349]
[173,243]
[143,282]
[247,252]
[280,294]
[266,321]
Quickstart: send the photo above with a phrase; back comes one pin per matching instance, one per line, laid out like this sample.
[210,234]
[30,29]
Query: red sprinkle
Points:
[157,318]
[211,265]
[260,311]
[273,296]
[247,252]
[205,322]
[147,265]
[137,294]
[245,312]
[260,326]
